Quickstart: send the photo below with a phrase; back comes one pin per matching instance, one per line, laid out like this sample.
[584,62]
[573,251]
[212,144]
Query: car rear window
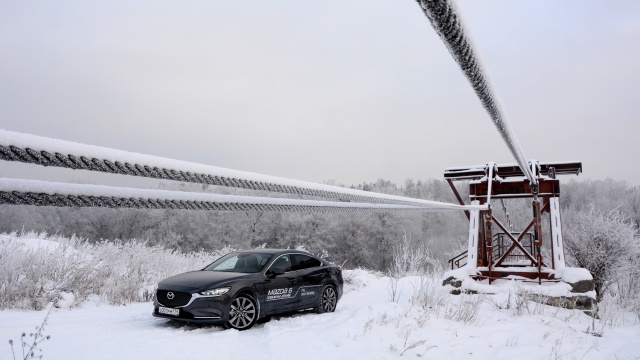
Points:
[304,262]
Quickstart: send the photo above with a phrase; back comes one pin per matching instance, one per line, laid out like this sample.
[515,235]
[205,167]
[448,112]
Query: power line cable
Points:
[44,151]
[42,193]
[446,21]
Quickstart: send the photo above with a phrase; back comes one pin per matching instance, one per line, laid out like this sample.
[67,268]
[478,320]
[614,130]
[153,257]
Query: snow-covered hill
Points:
[418,319]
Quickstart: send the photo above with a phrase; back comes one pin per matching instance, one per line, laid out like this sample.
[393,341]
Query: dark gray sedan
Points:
[241,287]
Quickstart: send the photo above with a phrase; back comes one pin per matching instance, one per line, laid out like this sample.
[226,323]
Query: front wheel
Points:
[243,313]
[328,300]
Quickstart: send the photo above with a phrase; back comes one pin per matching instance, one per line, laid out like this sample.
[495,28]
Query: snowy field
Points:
[372,321]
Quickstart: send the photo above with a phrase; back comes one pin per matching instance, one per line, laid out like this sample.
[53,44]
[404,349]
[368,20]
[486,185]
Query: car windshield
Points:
[240,262]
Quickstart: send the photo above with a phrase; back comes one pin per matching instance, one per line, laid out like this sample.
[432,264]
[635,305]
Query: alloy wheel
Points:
[243,313]
[329,299]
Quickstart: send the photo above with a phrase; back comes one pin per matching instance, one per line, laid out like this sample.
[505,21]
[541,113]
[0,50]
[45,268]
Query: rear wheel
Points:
[328,300]
[243,313]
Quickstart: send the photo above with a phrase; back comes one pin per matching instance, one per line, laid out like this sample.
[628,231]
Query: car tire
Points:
[328,300]
[243,313]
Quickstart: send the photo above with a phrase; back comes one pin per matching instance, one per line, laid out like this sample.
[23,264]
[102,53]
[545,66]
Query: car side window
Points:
[250,263]
[283,262]
[305,262]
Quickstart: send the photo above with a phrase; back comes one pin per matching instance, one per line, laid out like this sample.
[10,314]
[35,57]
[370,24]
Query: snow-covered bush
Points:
[606,243]
[33,272]
[35,269]
[464,308]
[409,260]
[428,292]
[128,272]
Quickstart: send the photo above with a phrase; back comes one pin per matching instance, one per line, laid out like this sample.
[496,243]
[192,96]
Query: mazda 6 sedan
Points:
[241,287]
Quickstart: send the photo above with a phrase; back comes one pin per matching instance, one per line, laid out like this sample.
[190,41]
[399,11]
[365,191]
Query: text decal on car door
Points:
[278,294]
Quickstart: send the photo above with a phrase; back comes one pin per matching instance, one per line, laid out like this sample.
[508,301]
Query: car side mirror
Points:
[275,272]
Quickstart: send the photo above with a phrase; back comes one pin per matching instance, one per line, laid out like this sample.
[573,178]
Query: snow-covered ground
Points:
[370,322]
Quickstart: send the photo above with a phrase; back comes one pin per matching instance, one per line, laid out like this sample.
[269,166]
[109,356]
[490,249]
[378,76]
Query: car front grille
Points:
[179,298]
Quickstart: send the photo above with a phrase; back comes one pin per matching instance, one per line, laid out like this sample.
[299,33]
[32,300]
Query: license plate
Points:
[168,311]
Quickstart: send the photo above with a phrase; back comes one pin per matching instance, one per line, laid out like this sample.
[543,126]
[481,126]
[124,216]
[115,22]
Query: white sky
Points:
[348,90]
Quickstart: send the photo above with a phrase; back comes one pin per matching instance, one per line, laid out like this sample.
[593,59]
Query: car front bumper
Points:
[209,310]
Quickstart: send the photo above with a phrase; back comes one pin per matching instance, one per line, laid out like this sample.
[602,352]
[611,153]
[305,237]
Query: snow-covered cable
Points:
[39,150]
[42,193]
[446,21]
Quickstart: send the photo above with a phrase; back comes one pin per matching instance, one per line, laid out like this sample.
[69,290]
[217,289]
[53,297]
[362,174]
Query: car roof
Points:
[275,251]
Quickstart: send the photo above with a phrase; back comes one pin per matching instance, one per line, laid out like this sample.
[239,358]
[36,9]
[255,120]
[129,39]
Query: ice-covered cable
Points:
[446,21]
[42,193]
[39,150]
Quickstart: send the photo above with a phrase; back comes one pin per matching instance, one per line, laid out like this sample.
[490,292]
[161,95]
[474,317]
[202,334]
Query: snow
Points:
[511,284]
[66,300]
[32,242]
[366,325]
[573,275]
[39,143]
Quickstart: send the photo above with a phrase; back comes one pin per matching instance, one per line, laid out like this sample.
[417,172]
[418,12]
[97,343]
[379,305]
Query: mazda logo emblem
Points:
[170,295]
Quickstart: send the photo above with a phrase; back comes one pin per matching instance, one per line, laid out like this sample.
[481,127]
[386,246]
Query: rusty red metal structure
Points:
[495,250]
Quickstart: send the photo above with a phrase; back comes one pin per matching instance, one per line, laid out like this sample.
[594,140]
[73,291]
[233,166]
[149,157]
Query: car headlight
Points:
[215,292]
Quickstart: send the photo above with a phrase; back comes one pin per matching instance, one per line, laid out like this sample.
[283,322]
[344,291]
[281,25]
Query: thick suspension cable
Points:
[52,152]
[42,193]
[446,21]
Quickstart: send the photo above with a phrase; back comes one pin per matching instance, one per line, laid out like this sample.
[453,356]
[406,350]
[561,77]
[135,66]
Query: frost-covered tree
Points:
[410,259]
[603,242]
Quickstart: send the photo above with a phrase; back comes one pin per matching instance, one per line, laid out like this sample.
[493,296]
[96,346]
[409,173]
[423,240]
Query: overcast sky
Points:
[345,90]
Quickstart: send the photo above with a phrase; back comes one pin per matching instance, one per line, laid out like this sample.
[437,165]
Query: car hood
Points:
[201,280]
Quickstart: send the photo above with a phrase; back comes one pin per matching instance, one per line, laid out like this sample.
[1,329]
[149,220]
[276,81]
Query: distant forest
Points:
[355,239]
